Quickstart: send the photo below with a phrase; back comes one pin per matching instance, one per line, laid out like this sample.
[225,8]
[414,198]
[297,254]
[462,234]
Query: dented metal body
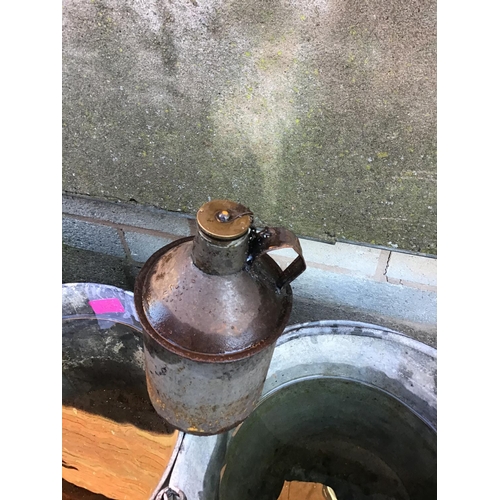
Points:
[212,311]
[204,398]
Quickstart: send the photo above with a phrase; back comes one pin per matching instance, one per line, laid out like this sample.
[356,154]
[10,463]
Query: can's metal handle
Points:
[275,238]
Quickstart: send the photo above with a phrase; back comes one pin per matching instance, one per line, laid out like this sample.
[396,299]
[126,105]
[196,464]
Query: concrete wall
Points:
[319,115]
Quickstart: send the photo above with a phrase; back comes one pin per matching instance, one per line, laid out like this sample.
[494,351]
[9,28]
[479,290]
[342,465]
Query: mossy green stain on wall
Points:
[325,124]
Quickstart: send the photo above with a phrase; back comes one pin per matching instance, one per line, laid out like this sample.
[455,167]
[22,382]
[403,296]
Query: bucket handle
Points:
[276,238]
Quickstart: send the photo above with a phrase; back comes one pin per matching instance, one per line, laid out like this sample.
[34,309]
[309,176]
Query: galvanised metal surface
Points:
[102,356]
[212,310]
[346,404]
[78,297]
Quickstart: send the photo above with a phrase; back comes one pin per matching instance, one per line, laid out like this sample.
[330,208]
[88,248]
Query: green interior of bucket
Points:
[357,439]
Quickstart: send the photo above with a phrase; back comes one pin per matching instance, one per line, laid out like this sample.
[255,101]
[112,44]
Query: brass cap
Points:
[224,219]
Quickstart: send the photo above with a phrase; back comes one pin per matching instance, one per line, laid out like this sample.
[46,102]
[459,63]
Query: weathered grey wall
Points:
[317,114]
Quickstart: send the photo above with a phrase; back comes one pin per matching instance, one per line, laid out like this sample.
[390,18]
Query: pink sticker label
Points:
[103,306]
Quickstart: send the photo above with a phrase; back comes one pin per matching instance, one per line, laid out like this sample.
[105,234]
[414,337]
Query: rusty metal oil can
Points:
[212,307]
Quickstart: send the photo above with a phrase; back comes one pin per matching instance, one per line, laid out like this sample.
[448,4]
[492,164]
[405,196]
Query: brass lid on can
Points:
[224,219]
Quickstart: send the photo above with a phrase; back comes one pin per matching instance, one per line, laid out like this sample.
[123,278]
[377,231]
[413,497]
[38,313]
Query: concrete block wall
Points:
[108,243]
[128,231]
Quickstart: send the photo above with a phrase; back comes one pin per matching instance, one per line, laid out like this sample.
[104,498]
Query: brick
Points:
[414,268]
[130,215]
[142,246]
[360,260]
[83,266]
[93,237]
[362,294]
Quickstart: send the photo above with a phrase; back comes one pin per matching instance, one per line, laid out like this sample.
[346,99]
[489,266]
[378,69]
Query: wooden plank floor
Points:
[116,460]
[298,490]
